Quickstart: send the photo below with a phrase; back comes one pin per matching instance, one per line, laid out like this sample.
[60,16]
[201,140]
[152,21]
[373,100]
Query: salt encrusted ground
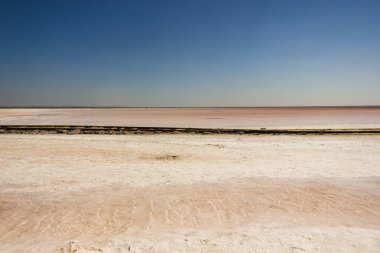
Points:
[189,193]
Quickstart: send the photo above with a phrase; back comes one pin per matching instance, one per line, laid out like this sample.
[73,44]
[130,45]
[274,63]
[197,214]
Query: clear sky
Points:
[189,53]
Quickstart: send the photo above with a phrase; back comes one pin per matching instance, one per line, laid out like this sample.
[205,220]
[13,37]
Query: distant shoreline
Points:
[186,107]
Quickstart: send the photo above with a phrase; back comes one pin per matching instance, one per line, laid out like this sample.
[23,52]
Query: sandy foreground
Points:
[189,193]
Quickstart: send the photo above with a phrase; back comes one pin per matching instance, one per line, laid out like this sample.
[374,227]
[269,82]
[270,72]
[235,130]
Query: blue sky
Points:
[189,53]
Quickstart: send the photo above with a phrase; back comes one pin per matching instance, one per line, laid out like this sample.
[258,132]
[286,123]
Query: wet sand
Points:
[247,118]
[189,193]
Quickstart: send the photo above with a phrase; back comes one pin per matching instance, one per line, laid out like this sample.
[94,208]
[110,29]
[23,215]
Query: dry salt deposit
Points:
[189,193]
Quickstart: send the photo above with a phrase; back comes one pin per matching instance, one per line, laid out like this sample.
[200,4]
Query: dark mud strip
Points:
[41,129]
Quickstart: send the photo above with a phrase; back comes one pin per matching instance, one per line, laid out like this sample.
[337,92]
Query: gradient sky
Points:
[189,53]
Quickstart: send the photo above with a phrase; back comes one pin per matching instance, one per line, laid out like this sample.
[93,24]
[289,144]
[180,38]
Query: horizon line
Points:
[183,107]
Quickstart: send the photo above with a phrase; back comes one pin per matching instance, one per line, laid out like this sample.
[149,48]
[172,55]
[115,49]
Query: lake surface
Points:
[280,117]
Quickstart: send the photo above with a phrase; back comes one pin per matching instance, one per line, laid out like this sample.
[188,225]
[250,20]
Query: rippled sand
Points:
[189,193]
[254,118]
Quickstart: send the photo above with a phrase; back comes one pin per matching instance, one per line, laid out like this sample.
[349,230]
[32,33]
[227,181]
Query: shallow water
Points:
[300,117]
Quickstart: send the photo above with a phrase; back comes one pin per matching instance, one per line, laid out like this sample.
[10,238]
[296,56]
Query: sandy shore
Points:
[243,118]
[189,193]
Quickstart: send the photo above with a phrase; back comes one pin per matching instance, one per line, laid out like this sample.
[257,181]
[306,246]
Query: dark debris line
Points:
[49,129]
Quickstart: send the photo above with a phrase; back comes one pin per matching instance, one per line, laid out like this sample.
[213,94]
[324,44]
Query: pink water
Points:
[301,117]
